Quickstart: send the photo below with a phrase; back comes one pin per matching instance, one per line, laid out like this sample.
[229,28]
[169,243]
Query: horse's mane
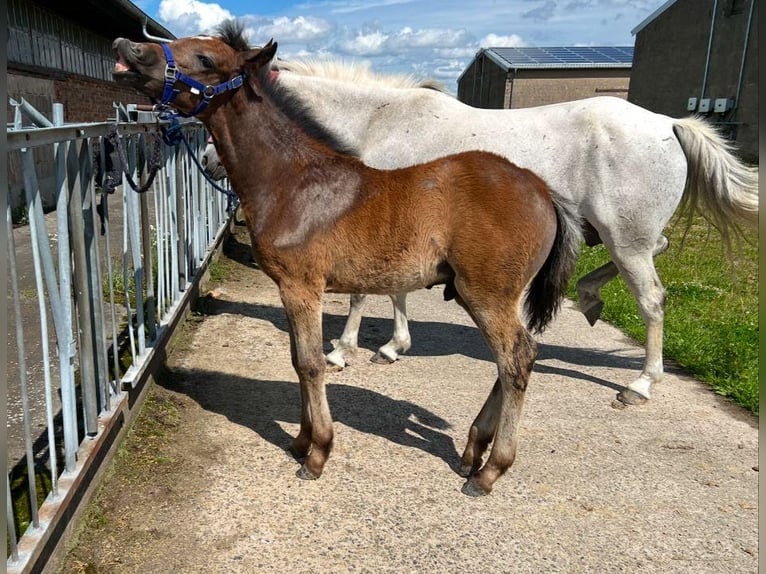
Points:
[356,73]
[232,32]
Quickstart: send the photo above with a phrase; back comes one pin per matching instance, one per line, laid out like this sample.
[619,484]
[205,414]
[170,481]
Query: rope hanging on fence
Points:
[155,160]
[172,135]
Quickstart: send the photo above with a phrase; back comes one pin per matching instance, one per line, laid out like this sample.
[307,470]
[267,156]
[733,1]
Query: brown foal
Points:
[321,221]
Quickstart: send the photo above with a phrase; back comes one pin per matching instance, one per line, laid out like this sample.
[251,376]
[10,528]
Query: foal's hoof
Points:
[629,397]
[382,359]
[465,471]
[470,488]
[305,474]
[299,453]
[593,312]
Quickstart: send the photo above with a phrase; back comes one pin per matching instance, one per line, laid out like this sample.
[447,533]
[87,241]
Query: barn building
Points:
[701,57]
[507,78]
[61,52]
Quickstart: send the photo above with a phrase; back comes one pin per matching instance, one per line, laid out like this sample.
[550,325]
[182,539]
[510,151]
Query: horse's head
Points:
[193,75]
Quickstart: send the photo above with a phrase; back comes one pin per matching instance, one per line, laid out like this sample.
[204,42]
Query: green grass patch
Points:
[711,309]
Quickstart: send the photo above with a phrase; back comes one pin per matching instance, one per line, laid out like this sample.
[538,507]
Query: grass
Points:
[711,309]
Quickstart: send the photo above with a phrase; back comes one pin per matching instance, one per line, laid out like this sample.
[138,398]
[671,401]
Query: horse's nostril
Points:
[204,161]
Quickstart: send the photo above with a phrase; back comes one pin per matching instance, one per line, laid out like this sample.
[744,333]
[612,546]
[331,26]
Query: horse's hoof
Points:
[334,360]
[298,453]
[470,488]
[381,359]
[331,367]
[305,474]
[593,312]
[466,470]
[630,397]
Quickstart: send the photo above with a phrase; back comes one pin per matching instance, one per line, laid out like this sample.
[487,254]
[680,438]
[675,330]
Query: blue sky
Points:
[425,38]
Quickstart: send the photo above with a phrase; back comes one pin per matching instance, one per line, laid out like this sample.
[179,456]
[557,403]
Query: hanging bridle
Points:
[208,92]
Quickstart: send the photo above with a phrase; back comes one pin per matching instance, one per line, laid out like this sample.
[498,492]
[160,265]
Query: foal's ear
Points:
[259,57]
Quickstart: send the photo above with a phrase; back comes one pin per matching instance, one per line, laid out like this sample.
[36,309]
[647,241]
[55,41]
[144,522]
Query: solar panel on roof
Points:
[565,56]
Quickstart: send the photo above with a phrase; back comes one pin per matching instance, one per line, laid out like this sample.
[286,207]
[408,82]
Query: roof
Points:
[561,57]
[649,19]
[111,18]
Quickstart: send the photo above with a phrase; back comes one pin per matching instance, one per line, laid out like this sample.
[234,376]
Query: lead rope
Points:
[154,163]
[172,135]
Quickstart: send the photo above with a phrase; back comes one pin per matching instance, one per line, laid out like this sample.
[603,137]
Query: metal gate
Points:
[97,282]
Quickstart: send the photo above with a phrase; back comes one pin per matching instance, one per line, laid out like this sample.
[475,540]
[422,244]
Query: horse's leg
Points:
[515,351]
[302,442]
[348,342]
[304,314]
[589,286]
[482,432]
[400,340]
[483,428]
[641,277]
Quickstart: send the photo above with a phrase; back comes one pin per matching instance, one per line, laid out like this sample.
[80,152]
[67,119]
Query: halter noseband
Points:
[173,75]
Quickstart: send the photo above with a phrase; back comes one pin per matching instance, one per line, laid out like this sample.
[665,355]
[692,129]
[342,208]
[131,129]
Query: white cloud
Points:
[495,41]
[299,29]
[428,38]
[189,17]
[368,44]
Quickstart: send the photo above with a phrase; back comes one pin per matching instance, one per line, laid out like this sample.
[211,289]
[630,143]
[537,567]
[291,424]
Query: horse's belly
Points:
[385,277]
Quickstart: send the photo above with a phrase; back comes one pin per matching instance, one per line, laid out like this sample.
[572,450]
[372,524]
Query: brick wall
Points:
[90,100]
[543,87]
[85,99]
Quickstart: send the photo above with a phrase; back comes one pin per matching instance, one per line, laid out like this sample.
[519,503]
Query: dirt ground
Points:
[204,484]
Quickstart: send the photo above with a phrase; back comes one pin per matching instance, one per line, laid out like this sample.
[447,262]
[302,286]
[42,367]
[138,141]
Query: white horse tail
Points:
[726,188]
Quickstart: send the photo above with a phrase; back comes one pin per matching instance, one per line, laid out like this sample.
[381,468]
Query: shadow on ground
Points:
[261,404]
[434,339]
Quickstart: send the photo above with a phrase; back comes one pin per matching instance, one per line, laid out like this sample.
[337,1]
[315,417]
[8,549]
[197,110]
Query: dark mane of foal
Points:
[232,33]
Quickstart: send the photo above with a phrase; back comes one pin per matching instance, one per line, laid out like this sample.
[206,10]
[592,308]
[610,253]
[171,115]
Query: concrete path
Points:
[667,487]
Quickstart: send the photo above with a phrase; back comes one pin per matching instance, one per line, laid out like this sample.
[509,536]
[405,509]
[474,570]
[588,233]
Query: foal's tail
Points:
[549,286]
[725,187]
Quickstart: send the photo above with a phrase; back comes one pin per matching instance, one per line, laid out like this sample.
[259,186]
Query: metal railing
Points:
[97,285]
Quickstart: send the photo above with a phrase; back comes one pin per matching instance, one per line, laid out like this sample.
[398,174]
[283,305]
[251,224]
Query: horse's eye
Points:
[205,61]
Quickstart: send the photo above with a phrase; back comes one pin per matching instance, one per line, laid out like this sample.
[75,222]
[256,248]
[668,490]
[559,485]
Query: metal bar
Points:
[744,54]
[134,233]
[34,115]
[146,248]
[34,137]
[181,241]
[94,280]
[82,289]
[67,346]
[22,374]
[125,271]
[109,269]
[709,49]
[11,522]
[35,220]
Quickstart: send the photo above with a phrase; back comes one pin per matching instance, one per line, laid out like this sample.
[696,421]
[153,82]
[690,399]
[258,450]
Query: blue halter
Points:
[173,75]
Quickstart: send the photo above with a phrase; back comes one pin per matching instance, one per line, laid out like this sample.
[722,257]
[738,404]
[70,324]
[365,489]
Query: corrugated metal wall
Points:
[38,37]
